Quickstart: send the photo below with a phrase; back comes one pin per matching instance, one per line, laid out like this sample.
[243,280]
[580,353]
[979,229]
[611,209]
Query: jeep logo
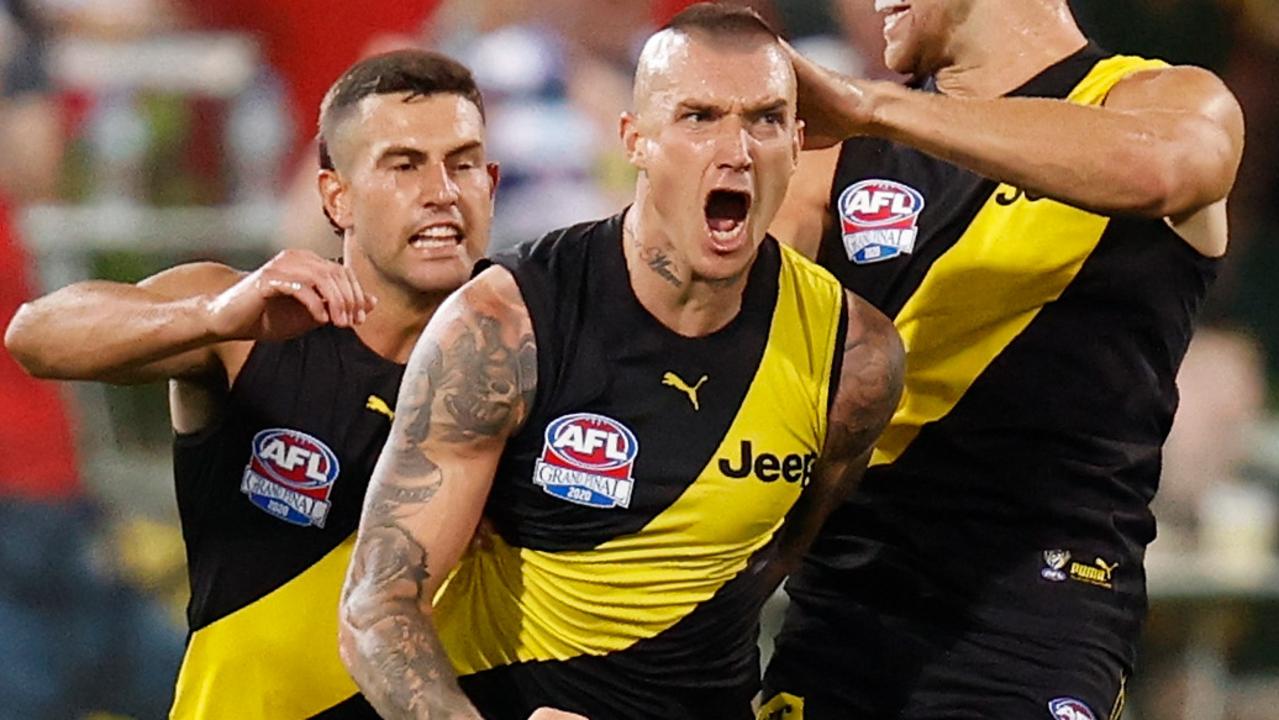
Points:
[793,468]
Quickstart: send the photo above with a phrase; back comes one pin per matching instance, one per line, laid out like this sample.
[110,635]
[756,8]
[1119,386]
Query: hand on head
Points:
[833,107]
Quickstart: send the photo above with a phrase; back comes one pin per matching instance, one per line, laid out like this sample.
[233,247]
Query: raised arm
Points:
[869,389]
[176,324]
[1166,143]
[468,387]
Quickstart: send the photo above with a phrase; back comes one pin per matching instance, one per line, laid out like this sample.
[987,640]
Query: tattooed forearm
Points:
[401,668]
[468,385]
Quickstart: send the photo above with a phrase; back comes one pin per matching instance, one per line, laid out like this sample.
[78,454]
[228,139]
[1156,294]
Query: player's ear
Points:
[635,144]
[333,192]
[798,141]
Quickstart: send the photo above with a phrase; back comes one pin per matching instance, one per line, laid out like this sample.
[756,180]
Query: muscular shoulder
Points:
[1182,88]
[870,379]
[481,340]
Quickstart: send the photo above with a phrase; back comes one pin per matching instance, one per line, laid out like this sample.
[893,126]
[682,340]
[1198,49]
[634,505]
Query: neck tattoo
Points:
[655,258]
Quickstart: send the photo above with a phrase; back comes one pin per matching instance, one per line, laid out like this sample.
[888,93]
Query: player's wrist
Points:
[210,315]
[880,100]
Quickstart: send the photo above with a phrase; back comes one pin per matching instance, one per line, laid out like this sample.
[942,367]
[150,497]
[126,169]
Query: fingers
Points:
[335,286]
[309,278]
[303,293]
[364,302]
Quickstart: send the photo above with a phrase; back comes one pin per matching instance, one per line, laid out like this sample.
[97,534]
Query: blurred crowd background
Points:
[135,134]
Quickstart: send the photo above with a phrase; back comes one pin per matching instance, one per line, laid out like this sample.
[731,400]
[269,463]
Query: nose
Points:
[438,187]
[733,147]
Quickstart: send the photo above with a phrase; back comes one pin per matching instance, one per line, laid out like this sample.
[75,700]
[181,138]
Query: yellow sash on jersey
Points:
[983,292]
[509,604]
[274,659]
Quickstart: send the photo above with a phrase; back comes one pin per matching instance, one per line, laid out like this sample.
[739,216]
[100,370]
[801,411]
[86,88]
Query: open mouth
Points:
[892,10]
[726,212]
[437,236]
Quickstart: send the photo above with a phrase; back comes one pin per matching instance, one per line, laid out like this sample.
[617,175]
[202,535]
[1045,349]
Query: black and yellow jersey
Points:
[270,498]
[637,507]
[1012,485]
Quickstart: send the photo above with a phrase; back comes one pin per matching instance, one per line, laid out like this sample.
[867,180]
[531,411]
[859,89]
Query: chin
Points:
[441,280]
[724,267]
[899,61]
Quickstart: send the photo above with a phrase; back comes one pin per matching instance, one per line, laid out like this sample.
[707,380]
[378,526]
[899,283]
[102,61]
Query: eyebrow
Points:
[698,106]
[417,155]
[767,107]
[762,108]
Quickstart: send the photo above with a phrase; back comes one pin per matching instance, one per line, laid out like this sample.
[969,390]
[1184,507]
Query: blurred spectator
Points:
[1218,520]
[31,140]
[556,77]
[74,639]
[310,42]
[1205,496]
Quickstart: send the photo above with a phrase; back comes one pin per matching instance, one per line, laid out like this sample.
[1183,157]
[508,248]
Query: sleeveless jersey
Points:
[637,507]
[1012,486]
[270,497]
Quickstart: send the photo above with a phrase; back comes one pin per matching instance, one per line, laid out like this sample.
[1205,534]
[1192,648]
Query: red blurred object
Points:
[37,453]
[664,10]
[310,42]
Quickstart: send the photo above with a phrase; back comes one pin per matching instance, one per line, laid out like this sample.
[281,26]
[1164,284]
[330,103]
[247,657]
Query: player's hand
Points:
[294,292]
[832,106]
[545,713]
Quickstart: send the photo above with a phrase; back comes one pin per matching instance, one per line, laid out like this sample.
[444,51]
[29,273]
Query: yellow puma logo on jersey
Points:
[678,383]
[378,405]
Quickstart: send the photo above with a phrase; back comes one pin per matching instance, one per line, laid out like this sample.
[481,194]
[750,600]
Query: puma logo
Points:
[678,383]
[1106,567]
[378,405]
[1102,575]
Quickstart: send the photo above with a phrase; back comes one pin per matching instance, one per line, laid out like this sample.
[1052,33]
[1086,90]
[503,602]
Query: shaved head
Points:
[714,135]
[729,29]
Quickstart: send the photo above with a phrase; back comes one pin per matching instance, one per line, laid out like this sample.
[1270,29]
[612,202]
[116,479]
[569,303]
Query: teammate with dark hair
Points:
[284,381]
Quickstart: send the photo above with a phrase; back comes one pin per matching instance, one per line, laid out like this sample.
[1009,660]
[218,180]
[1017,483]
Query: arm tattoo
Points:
[870,383]
[470,381]
[869,389]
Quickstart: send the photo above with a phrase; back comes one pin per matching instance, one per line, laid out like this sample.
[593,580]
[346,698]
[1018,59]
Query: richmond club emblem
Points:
[587,459]
[877,219]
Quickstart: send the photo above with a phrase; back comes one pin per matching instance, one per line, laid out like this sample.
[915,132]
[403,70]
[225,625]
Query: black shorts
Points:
[846,662]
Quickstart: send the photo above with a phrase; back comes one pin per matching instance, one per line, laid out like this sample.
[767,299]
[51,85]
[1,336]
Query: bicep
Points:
[870,382]
[1203,123]
[467,389]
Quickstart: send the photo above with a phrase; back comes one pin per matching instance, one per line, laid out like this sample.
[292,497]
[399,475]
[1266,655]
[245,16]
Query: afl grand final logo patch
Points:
[878,220]
[1068,708]
[587,459]
[290,475]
